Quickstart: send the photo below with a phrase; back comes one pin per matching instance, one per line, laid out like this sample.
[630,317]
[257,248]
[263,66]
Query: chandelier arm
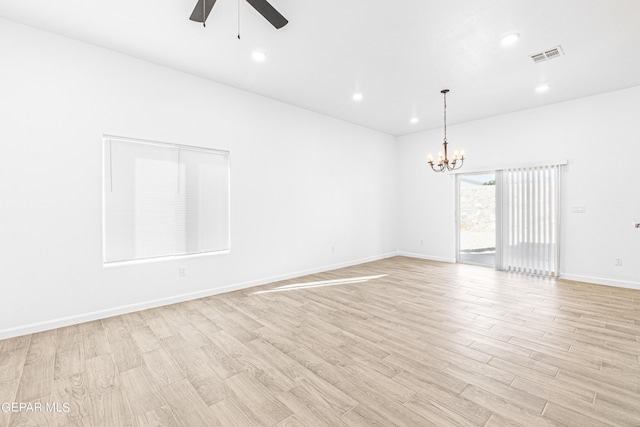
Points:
[440,167]
[458,166]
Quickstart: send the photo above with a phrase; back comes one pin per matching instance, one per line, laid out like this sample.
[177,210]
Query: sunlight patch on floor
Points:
[320,284]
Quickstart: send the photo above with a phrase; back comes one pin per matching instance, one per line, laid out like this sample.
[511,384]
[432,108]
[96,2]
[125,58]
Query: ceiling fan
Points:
[203,7]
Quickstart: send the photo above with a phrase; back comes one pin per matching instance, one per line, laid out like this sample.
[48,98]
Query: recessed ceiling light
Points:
[258,56]
[357,96]
[510,39]
[414,120]
[542,88]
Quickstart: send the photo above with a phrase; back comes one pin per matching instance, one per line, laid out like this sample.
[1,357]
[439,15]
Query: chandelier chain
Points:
[445,116]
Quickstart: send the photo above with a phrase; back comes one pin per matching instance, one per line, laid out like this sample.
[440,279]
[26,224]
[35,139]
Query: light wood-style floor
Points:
[425,344]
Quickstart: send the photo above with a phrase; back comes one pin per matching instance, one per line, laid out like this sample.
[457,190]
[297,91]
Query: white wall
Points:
[598,135]
[301,182]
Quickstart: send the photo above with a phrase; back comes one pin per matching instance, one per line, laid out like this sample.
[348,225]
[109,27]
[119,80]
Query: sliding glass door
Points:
[509,219]
[477,219]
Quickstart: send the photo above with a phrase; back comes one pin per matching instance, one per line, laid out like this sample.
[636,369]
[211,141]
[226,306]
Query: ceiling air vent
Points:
[547,54]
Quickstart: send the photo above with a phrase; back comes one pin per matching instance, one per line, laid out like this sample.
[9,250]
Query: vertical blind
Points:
[163,200]
[529,218]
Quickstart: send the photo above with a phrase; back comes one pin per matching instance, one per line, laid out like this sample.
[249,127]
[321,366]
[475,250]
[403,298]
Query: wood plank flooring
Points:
[400,341]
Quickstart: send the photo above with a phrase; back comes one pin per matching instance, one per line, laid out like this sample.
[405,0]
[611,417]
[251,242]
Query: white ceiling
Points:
[399,54]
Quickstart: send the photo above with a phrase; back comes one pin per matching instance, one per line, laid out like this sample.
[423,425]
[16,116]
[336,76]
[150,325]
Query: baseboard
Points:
[116,311]
[427,257]
[601,281]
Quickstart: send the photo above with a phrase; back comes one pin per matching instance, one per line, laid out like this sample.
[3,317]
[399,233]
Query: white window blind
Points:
[163,200]
[529,218]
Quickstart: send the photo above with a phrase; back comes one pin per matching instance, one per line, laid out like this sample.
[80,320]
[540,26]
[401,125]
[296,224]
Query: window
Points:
[163,200]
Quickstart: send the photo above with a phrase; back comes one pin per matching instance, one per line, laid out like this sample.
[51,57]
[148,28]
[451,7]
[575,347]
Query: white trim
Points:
[129,308]
[456,217]
[106,137]
[516,166]
[428,257]
[112,264]
[601,281]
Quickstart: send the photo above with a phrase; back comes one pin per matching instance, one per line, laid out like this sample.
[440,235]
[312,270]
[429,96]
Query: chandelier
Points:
[444,163]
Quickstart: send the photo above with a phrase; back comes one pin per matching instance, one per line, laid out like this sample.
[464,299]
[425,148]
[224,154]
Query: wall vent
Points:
[547,54]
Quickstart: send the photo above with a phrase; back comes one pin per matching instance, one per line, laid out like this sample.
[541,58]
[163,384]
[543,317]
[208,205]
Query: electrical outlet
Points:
[182,271]
[618,262]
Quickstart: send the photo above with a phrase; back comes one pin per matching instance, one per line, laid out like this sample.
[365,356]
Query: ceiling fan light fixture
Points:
[510,39]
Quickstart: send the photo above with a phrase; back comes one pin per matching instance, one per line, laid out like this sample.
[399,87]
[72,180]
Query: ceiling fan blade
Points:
[268,11]
[201,11]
